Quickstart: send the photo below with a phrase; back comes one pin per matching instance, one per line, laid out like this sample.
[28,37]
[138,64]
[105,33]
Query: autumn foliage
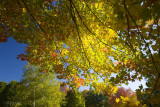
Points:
[93,39]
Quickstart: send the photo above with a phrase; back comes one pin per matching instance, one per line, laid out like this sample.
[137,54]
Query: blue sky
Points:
[11,68]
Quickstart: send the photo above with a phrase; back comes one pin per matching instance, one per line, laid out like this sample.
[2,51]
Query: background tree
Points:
[74,98]
[3,84]
[93,99]
[9,95]
[40,88]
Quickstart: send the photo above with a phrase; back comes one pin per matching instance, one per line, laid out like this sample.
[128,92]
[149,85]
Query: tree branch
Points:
[33,17]
[148,49]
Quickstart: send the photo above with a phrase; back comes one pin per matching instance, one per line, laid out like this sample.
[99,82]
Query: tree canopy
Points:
[8,96]
[84,40]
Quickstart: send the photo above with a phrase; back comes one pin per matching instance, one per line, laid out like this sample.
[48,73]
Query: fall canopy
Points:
[84,40]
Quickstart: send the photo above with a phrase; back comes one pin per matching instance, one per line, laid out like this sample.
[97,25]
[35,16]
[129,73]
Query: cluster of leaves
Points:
[92,39]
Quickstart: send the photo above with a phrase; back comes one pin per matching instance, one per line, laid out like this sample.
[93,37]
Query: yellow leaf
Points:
[117,100]
[24,10]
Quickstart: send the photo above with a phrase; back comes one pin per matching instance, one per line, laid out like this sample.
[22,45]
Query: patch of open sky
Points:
[64,45]
[133,85]
[10,67]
